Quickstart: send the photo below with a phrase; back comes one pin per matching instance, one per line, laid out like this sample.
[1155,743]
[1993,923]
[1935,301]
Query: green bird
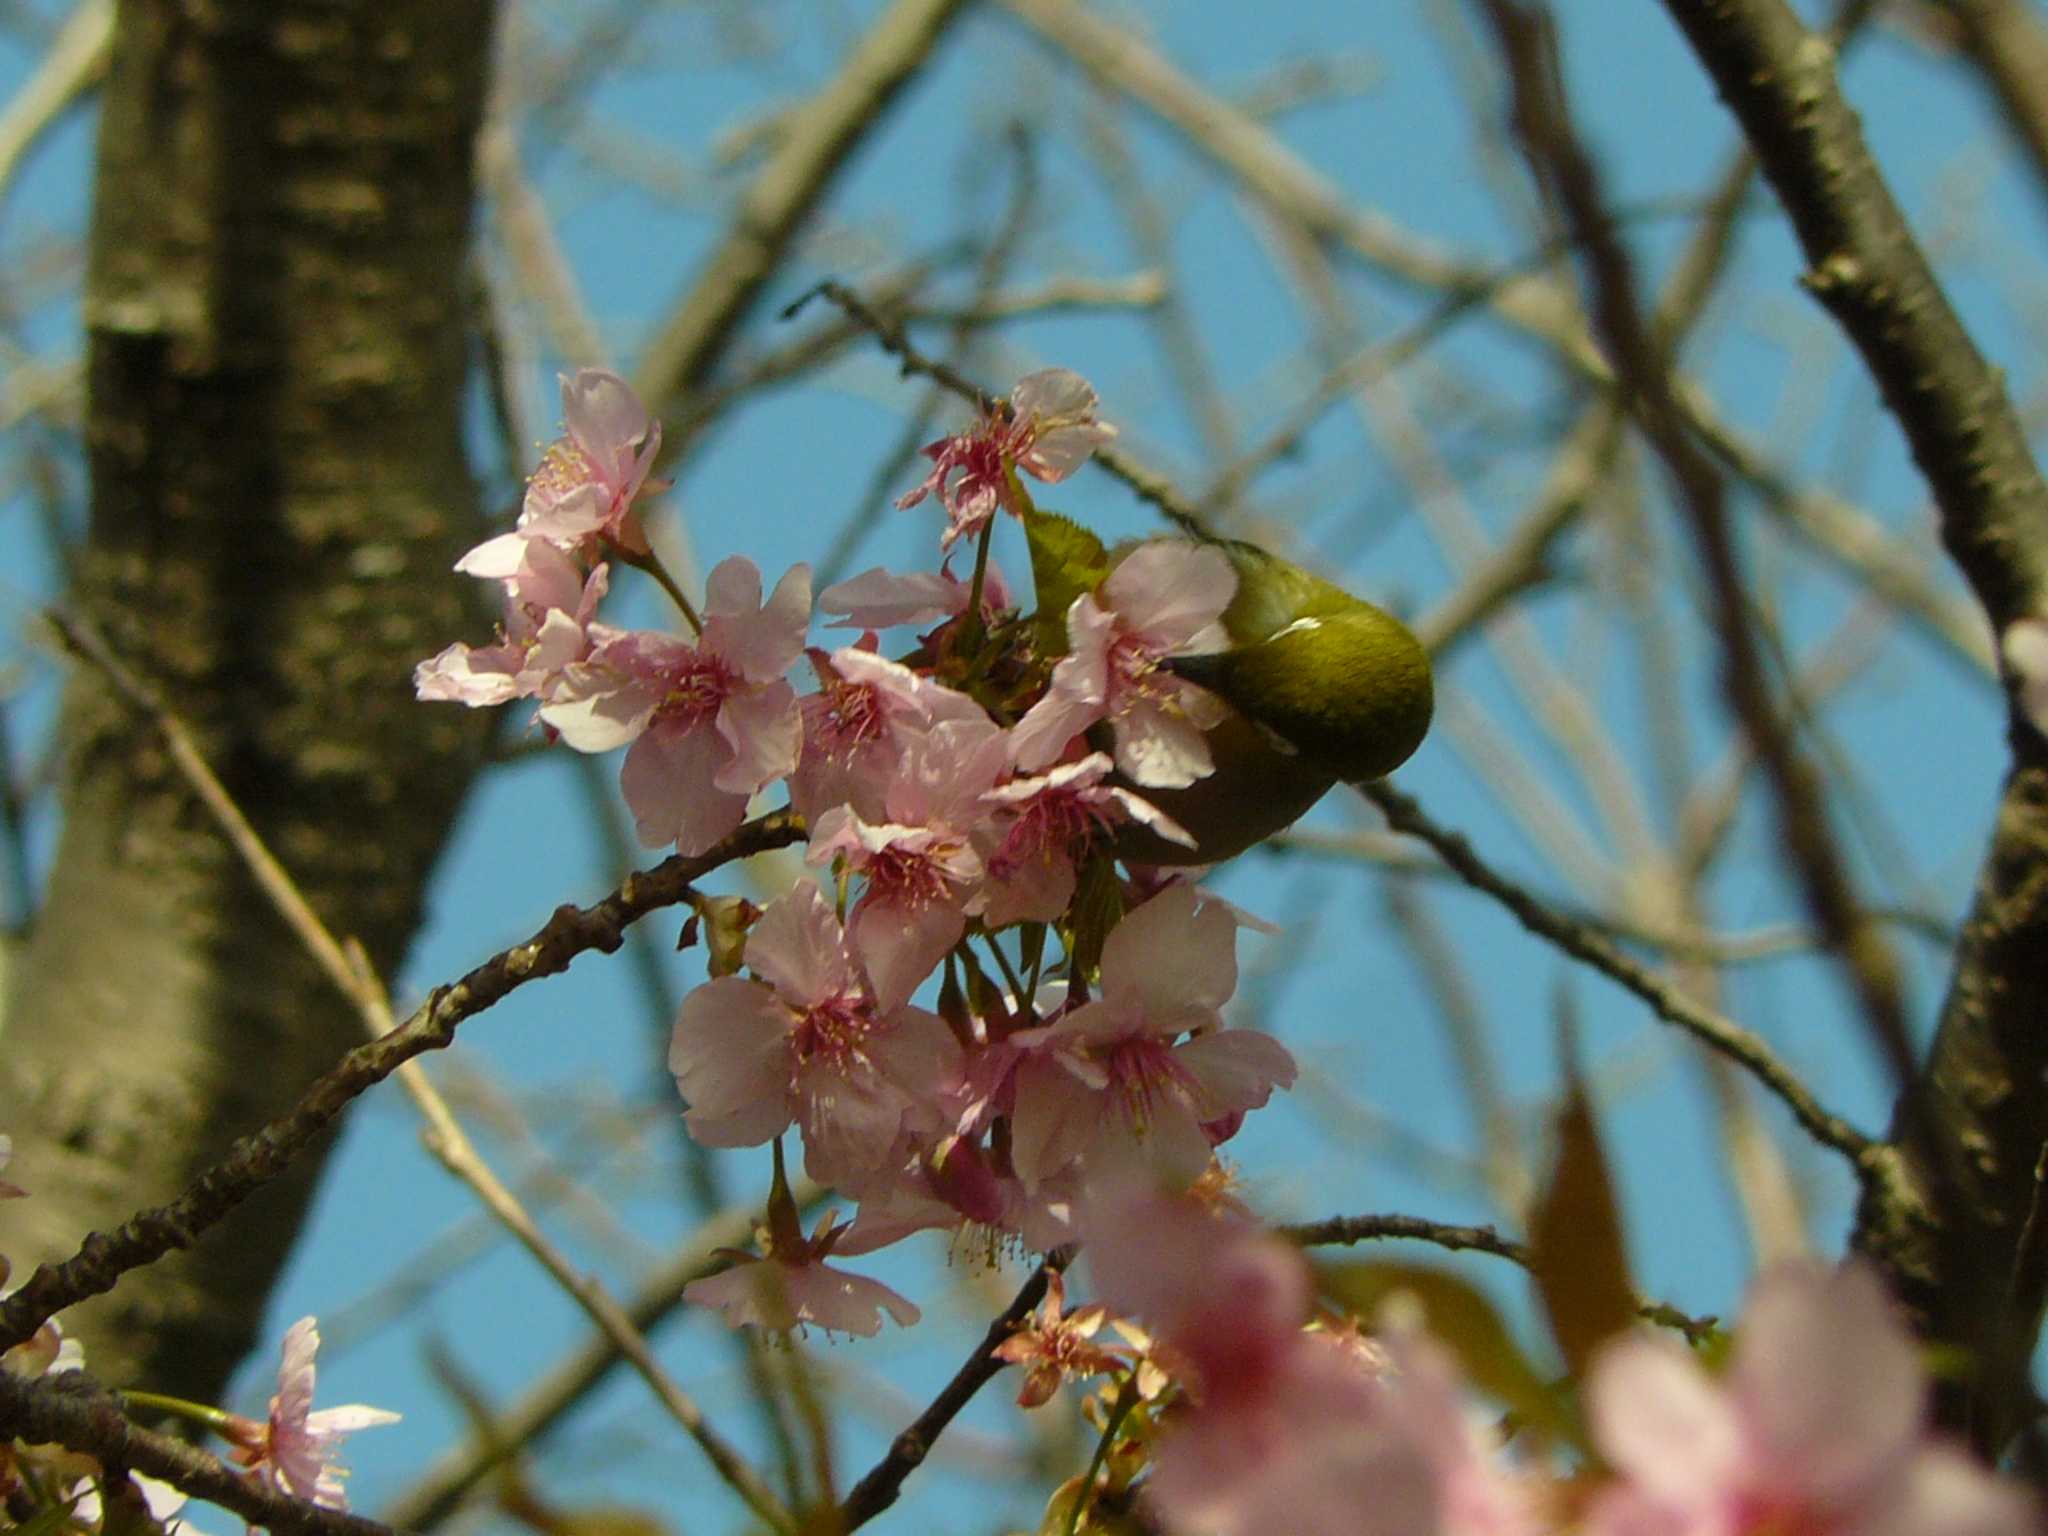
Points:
[1324,686]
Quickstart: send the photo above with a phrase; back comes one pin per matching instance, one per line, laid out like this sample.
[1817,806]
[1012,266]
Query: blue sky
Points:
[1922,736]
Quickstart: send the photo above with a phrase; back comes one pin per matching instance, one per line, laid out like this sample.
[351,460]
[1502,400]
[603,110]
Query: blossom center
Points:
[834,1032]
[1142,1070]
[1047,826]
[916,873]
[563,469]
[851,718]
[696,687]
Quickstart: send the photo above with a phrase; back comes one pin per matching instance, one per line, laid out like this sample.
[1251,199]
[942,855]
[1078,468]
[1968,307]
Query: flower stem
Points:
[651,564]
[219,1420]
[1126,1400]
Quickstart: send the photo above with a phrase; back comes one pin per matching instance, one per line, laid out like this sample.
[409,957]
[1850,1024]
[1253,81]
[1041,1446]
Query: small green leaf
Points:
[1460,1315]
[1097,907]
[1066,560]
[1577,1250]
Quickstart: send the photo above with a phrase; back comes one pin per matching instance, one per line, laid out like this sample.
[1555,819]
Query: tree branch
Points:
[104,1257]
[72,1410]
[1583,942]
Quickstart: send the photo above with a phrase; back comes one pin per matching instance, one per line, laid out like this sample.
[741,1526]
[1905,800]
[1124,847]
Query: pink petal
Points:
[798,948]
[596,712]
[1660,1421]
[1943,1492]
[1160,750]
[605,417]
[495,559]
[1237,1069]
[1174,964]
[730,1055]
[762,644]
[901,945]
[1827,1378]
[1051,1121]
[764,732]
[668,781]
[1169,590]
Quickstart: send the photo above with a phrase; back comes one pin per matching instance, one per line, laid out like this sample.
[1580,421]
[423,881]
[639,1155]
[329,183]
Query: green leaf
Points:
[1577,1250]
[1462,1317]
[1066,560]
[1097,907]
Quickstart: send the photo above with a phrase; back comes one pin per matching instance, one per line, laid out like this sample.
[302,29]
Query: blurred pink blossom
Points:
[1279,1432]
[1819,1426]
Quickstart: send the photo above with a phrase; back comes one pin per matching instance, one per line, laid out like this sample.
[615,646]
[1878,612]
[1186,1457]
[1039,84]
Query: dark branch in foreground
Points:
[884,1481]
[1341,1230]
[72,1410]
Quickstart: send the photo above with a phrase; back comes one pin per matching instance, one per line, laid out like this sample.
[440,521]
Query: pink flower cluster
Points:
[955,799]
[1817,1428]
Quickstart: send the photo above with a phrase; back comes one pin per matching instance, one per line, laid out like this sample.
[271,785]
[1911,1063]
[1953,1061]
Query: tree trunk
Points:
[276,356]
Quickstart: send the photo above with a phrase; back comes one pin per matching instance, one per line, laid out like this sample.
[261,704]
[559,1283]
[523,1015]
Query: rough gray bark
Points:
[276,366]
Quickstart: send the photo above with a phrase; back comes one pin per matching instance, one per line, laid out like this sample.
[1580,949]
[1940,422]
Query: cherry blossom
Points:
[1041,823]
[1056,1346]
[1820,1427]
[792,1287]
[549,606]
[809,1042]
[1048,431]
[710,723]
[296,1450]
[1165,598]
[584,489]
[1112,1086]
[1478,1491]
[857,726]
[920,862]
[1278,1432]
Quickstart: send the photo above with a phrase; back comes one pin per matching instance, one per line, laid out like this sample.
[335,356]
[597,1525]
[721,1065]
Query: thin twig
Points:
[884,1481]
[1341,1230]
[1582,942]
[1560,162]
